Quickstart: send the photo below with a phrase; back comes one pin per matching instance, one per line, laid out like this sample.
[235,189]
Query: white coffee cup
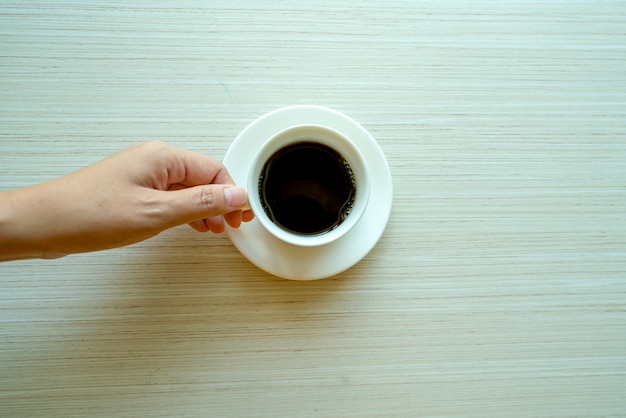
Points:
[310,134]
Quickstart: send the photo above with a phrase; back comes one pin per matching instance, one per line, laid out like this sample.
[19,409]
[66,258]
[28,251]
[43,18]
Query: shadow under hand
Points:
[189,307]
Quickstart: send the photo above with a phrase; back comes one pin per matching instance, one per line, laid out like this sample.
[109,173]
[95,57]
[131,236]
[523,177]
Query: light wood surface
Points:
[498,288]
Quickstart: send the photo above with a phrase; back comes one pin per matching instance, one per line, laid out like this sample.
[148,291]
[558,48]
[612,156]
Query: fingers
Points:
[196,189]
[236,197]
[190,168]
[202,202]
[247,215]
[206,207]
[233,218]
[216,224]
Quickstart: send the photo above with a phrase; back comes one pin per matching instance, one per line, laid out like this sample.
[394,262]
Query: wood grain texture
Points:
[498,289]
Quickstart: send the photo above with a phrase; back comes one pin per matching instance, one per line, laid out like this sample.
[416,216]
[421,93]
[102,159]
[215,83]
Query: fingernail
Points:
[235,196]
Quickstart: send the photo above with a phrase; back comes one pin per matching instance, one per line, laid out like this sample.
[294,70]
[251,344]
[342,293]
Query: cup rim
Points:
[326,136]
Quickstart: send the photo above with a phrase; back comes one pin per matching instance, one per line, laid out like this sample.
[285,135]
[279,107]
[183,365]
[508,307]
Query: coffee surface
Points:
[307,188]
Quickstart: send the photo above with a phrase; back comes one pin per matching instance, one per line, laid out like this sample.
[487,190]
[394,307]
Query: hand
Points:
[126,198]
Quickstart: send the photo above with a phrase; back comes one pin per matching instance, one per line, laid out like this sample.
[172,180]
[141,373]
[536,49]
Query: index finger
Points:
[190,168]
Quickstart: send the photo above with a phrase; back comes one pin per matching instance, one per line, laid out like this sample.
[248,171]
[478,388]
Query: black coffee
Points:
[307,188]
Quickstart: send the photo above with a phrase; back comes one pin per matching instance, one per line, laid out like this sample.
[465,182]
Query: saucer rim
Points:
[343,251]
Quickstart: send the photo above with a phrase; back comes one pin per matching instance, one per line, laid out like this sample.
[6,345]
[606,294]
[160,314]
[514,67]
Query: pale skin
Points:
[128,197]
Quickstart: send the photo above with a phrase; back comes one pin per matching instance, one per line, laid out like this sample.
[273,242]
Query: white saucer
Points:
[309,263]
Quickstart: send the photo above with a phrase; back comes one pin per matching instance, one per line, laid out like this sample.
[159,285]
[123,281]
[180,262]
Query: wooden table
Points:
[498,288]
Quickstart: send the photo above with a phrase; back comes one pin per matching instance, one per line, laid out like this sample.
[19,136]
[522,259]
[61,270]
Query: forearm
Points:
[23,233]
[66,215]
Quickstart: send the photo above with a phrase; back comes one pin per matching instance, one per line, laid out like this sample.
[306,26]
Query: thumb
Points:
[202,202]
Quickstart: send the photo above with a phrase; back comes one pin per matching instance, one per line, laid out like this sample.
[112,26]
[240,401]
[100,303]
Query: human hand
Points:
[125,198]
